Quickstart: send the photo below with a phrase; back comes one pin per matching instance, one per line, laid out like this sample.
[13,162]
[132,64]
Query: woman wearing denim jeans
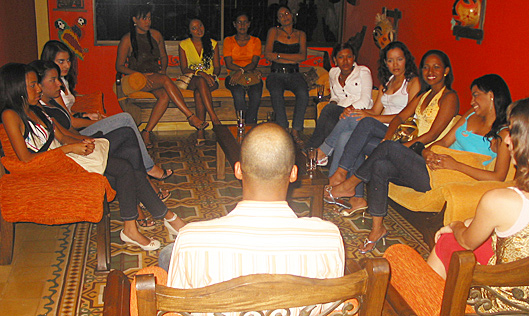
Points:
[241,54]
[286,47]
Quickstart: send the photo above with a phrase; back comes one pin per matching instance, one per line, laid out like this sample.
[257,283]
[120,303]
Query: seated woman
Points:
[241,55]
[31,132]
[351,87]
[495,237]
[478,131]
[143,50]
[285,48]
[397,69]
[434,107]
[91,123]
[199,55]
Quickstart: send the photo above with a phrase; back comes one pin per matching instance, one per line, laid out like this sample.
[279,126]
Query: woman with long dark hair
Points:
[142,50]
[199,55]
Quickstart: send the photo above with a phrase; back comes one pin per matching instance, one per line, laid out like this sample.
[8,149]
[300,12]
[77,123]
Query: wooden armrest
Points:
[397,302]
[116,296]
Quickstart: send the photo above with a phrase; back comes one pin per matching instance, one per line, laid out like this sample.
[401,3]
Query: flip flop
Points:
[166,174]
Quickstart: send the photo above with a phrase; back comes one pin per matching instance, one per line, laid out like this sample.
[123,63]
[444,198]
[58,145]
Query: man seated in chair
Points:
[262,234]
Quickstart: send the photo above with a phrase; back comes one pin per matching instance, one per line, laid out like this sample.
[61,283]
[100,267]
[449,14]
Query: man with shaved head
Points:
[261,234]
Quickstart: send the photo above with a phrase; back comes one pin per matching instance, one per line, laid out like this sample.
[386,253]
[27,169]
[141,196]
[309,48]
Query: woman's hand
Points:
[94,116]
[209,79]
[443,162]
[84,148]
[149,83]
[444,230]
[235,77]
[348,112]
[360,114]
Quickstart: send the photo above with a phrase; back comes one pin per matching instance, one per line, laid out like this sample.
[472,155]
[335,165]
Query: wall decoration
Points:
[71,35]
[383,33]
[468,19]
[70,5]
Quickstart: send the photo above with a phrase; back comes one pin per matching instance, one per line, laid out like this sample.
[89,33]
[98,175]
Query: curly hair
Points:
[383,71]
[518,117]
[139,12]
[207,44]
[502,98]
[446,63]
[50,51]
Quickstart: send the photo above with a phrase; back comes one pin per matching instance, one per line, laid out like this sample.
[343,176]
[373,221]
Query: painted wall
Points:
[426,25]
[18,34]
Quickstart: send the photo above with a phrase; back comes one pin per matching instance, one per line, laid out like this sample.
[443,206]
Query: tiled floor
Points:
[23,281]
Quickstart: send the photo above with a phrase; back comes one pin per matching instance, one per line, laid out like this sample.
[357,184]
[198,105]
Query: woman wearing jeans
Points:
[241,54]
[286,47]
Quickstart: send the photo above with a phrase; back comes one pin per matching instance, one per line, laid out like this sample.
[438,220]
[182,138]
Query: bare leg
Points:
[200,85]
[131,230]
[338,177]
[160,81]
[377,231]
[436,264]
[357,202]
[159,108]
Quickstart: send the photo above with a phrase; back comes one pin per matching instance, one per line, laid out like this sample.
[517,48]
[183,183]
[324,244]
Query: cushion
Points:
[89,103]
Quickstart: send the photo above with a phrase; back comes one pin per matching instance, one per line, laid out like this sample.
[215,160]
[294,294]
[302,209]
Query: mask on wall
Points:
[71,36]
[467,12]
[384,33]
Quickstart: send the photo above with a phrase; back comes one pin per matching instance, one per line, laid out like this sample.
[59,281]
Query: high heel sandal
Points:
[337,201]
[351,213]
[369,242]
[199,127]
[167,223]
[147,140]
[166,174]
[153,245]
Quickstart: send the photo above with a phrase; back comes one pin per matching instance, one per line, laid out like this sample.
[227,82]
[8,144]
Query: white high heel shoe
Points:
[153,245]
[172,231]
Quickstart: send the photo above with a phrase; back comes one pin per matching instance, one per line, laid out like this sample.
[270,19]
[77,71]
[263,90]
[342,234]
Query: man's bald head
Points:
[267,153]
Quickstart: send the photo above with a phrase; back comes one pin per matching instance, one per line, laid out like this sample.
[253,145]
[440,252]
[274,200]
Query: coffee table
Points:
[307,186]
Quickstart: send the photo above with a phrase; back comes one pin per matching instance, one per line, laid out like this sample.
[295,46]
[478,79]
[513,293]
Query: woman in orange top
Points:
[241,55]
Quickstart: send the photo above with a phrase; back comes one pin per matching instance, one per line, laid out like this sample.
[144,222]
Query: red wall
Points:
[18,33]
[425,25]
[96,71]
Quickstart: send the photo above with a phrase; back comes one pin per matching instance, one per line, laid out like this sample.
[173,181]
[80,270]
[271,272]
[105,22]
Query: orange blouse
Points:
[242,55]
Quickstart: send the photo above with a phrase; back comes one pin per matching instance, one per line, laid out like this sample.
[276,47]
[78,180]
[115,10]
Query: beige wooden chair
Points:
[258,292]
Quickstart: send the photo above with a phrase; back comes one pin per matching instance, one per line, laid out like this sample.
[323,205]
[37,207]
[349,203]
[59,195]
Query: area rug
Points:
[196,195]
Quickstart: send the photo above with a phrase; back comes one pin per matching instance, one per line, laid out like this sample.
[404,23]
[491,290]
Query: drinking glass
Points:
[312,157]
[240,120]
[321,91]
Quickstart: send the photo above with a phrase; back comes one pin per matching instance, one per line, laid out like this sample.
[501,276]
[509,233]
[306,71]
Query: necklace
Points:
[288,35]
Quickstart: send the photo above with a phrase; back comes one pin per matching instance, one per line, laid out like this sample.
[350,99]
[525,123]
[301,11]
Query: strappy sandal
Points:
[368,242]
[336,201]
[147,139]
[166,174]
[146,223]
[201,126]
[163,197]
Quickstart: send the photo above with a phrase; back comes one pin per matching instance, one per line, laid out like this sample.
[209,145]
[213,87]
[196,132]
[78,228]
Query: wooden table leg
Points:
[317,202]
[221,163]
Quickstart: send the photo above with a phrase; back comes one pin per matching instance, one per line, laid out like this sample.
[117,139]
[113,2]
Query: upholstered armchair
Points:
[51,189]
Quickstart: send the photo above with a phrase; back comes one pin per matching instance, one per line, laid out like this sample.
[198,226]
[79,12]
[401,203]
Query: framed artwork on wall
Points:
[70,5]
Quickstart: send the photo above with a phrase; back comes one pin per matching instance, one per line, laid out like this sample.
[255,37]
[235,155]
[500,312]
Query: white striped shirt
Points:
[256,237]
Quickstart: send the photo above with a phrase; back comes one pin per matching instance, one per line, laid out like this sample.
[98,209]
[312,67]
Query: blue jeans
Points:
[164,258]
[114,122]
[329,117]
[277,83]
[391,162]
[254,99]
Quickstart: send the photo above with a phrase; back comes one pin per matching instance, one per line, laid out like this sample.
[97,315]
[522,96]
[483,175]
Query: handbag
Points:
[183,81]
[311,78]
[406,131]
[249,78]
[97,160]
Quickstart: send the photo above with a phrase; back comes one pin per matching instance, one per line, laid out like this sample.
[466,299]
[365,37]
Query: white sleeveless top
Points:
[394,103]
[523,218]
[68,99]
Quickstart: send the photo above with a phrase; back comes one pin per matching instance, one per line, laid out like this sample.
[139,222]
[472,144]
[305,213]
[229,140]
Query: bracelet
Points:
[196,72]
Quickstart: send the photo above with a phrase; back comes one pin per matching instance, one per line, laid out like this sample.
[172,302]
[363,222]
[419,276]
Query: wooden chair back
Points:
[465,277]
[258,292]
